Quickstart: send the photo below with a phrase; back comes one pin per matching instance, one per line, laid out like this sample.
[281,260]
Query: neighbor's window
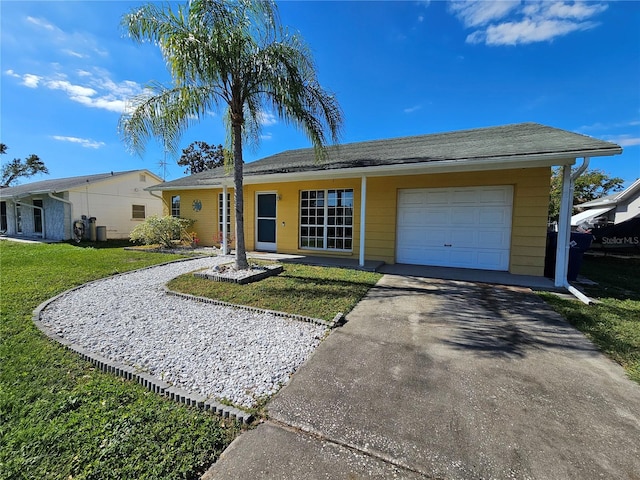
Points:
[175,206]
[326,219]
[138,212]
[143,177]
[221,211]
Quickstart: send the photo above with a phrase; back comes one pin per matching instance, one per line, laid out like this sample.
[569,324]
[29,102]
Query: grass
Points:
[613,323]
[318,292]
[60,418]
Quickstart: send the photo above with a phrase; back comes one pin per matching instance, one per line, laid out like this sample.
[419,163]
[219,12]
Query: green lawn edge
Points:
[61,418]
[612,323]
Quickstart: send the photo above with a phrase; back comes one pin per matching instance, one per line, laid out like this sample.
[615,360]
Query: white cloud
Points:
[625,140]
[84,142]
[415,108]
[526,31]
[75,44]
[30,80]
[474,13]
[73,53]
[266,119]
[72,90]
[42,23]
[514,23]
[266,136]
[93,89]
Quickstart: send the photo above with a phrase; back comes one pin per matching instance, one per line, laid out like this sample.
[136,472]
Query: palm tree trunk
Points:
[241,252]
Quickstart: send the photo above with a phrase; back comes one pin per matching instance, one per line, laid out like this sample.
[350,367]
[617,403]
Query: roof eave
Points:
[439,166]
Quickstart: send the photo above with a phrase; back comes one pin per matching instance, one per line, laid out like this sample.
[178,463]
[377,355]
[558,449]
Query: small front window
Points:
[138,212]
[175,206]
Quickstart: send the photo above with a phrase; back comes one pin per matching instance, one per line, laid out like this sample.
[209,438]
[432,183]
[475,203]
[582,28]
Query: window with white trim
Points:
[175,206]
[326,219]
[138,212]
[221,211]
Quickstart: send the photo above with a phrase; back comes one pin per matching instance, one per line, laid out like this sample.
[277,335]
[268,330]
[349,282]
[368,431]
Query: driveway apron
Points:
[445,379]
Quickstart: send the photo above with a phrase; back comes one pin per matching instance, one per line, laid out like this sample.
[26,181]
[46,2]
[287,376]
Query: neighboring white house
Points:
[612,209]
[47,209]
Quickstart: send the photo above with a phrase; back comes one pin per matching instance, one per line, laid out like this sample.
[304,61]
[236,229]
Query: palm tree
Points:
[232,55]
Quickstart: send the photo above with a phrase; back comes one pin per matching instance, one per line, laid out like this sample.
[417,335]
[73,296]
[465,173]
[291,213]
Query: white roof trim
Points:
[588,215]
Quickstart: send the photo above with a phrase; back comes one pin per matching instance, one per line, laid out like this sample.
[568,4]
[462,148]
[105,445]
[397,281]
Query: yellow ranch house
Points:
[470,199]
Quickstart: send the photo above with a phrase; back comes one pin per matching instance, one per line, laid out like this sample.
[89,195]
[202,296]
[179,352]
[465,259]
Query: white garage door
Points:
[455,227]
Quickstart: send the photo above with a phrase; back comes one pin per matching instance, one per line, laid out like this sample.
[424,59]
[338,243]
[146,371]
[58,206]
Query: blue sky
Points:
[397,68]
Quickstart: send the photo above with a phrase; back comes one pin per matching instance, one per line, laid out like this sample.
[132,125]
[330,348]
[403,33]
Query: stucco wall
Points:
[111,201]
[529,222]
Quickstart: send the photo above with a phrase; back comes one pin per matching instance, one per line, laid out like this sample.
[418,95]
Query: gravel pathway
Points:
[217,351]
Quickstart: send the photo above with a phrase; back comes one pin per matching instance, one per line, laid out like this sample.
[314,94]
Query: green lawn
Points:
[318,292]
[62,419]
[613,323]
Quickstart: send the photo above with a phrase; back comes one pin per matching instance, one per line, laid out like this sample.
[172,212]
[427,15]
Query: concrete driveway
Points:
[448,379]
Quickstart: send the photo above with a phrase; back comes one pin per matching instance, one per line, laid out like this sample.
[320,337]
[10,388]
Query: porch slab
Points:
[471,275]
[369,265]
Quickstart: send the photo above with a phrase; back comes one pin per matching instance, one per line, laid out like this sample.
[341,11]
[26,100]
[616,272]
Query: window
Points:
[326,219]
[143,178]
[3,216]
[18,218]
[37,216]
[138,212]
[175,206]
[220,212]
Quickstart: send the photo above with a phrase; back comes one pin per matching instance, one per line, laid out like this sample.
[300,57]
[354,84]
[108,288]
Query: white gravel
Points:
[217,351]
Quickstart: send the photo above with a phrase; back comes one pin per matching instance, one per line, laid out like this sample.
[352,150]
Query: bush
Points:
[165,231]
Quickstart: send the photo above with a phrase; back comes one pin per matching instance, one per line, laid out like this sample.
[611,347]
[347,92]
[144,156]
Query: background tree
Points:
[17,168]
[200,156]
[590,185]
[234,55]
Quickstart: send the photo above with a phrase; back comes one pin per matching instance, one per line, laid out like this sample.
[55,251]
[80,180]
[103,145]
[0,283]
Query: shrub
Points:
[165,231]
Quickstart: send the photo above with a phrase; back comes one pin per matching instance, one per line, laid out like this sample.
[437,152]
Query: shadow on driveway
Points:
[446,379]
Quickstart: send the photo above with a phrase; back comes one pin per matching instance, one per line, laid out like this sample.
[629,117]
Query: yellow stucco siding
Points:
[288,213]
[206,219]
[529,219]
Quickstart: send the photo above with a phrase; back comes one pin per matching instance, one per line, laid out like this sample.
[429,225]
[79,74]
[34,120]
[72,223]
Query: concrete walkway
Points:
[447,379]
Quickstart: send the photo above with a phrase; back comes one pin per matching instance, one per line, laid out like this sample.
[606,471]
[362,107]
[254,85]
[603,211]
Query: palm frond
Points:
[164,113]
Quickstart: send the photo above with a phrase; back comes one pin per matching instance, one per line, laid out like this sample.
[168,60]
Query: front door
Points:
[37,216]
[266,222]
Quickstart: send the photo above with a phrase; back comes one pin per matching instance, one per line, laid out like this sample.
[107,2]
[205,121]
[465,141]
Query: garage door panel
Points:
[494,216]
[465,196]
[463,217]
[495,195]
[488,259]
[436,217]
[455,227]
[412,197]
[493,239]
[434,197]
[435,237]
[464,238]
[412,217]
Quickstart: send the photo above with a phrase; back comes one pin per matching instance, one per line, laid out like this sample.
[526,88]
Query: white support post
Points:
[363,215]
[225,233]
[564,228]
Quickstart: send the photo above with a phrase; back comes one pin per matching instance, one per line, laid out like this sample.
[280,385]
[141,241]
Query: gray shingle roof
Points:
[58,184]
[516,141]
